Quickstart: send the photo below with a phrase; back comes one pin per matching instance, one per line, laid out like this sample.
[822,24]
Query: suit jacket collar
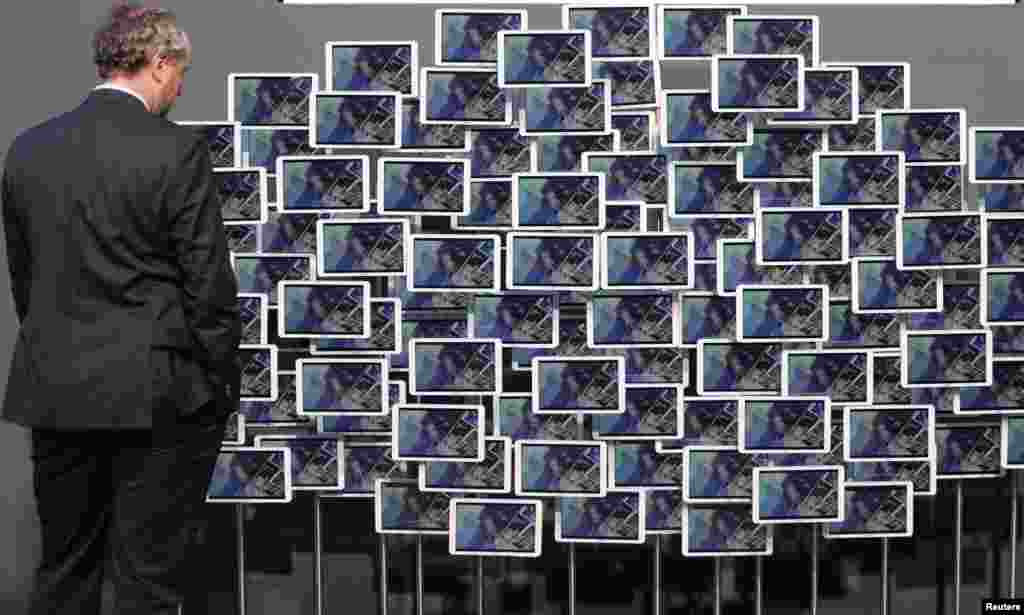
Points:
[116,96]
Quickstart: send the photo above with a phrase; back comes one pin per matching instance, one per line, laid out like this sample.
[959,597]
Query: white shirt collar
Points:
[111,86]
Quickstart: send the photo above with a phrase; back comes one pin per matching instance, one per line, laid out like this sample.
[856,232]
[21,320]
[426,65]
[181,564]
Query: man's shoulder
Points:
[183,137]
[167,135]
[33,135]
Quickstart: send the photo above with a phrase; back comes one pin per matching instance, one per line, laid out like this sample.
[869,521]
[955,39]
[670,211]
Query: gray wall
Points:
[960,57]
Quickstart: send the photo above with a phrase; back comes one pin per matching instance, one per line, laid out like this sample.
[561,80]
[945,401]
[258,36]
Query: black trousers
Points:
[124,501]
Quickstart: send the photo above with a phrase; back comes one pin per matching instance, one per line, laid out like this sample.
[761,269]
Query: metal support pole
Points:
[419,574]
[1013,534]
[940,568]
[479,586]
[885,575]
[957,536]
[318,553]
[656,590]
[814,570]
[240,542]
[758,605]
[718,586]
[382,552]
[572,579]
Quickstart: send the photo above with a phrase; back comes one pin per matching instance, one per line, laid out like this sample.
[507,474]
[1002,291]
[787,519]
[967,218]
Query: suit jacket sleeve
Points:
[17,251]
[210,289]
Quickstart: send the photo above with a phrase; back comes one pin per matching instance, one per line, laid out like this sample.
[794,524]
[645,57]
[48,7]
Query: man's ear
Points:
[161,67]
[155,69]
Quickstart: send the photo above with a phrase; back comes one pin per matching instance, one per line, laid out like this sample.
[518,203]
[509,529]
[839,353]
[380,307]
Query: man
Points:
[124,367]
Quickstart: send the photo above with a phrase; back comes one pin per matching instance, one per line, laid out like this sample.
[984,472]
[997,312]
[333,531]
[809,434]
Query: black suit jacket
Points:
[120,271]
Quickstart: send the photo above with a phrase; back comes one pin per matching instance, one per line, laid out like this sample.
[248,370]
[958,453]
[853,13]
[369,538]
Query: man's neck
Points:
[132,87]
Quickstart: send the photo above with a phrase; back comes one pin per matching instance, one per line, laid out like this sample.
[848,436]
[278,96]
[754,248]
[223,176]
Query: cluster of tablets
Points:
[474,291]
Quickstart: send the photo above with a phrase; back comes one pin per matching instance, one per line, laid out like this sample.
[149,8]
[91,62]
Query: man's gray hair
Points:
[132,35]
